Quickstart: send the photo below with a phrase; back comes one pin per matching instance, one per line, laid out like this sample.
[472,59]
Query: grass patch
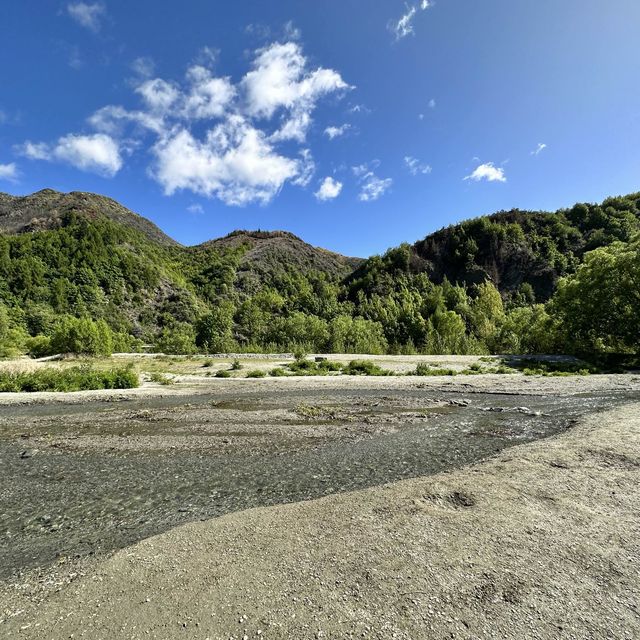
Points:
[236,366]
[223,373]
[425,369]
[256,373]
[71,379]
[536,367]
[365,368]
[278,372]
[160,378]
[304,367]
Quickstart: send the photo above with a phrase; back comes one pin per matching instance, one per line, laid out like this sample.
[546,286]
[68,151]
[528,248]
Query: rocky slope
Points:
[46,209]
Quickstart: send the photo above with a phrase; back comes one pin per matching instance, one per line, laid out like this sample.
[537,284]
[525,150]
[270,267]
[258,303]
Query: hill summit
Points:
[45,210]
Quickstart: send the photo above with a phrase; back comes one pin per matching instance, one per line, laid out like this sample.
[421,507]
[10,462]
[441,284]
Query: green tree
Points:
[598,307]
[82,336]
[178,338]
[214,331]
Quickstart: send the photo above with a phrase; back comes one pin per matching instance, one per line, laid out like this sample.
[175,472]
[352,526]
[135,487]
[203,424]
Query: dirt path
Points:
[542,541]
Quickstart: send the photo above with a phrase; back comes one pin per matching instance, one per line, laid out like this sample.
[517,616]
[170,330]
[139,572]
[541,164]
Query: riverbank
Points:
[542,541]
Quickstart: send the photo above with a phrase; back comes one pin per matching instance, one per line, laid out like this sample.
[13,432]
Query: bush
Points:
[424,369]
[223,373]
[278,372]
[82,336]
[256,373]
[160,378]
[38,346]
[72,379]
[365,368]
[235,365]
[302,367]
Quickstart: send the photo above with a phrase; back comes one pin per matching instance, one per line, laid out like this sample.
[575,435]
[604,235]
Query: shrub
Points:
[160,378]
[303,367]
[72,379]
[38,346]
[223,373]
[424,369]
[256,373]
[365,368]
[278,372]
[235,365]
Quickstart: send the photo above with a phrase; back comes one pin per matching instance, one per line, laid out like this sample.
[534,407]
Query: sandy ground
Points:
[542,541]
[193,383]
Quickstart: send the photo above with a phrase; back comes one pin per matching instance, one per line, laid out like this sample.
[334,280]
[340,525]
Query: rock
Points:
[27,453]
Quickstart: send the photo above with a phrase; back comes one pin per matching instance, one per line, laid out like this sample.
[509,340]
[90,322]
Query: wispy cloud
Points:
[335,132]
[87,15]
[539,149]
[329,189]
[416,167]
[403,27]
[487,172]
[371,186]
[144,67]
[9,172]
[195,208]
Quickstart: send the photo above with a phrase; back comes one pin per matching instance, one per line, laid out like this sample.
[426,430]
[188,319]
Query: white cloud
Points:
[488,172]
[432,103]
[234,163]
[87,15]
[336,132]
[97,153]
[306,169]
[34,150]
[209,97]
[329,189]
[371,186]
[280,80]
[158,95]
[9,172]
[539,149]
[403,27]
[195,208]
[211,136]
[143,67]
[415,167]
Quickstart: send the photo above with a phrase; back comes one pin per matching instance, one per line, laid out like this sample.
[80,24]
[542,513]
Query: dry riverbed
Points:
[441,513]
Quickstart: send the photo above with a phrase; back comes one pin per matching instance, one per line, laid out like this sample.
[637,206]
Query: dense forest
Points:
[79,273]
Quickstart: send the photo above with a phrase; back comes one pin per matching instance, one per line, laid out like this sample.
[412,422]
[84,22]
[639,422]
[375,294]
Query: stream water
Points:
[67,503]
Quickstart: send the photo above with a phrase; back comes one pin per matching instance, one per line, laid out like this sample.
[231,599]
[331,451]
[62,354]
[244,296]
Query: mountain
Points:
[267,251]
[45,210]
[79,255]
[509,249]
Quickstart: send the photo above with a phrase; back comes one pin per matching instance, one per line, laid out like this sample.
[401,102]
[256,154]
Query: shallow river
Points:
[60,498]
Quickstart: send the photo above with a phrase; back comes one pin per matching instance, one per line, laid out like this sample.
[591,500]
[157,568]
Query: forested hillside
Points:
[79,272]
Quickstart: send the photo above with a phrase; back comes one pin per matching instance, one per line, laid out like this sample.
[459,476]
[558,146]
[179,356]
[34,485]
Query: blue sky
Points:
[352,123]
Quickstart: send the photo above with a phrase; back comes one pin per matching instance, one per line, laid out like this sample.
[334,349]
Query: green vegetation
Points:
[160,378]
[256,373]
[223,373]
[427,370]
[72,379]
[365,368]
[513,283]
